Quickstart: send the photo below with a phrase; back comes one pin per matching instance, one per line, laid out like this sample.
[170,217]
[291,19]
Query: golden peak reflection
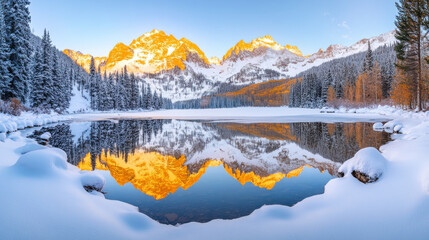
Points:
[158,175]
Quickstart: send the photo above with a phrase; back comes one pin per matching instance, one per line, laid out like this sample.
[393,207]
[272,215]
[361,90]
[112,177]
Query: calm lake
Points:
[178,171]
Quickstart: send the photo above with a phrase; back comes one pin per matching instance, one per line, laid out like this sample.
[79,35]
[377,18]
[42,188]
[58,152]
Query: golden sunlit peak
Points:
[266,41]
[294,49]
[84,60]
[154,31]
[214,60]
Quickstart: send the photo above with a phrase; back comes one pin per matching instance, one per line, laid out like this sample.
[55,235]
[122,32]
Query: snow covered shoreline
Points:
[53,204]
[252,114]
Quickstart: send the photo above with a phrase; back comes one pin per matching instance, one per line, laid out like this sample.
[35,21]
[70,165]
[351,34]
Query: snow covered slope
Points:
[79,101]
[180,70]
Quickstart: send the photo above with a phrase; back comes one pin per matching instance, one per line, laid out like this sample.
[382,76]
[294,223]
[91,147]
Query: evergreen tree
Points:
[134,96]
[43,86]
[161,102]
[155,101]
[4,55]
[126,89]
[143,97]
[17,20]
[148,99]
[58,93]
[38,96]
[111,92]
[325,85]
[338,86]
[93,84]
[412,23]
[120,105]
[387,73]
[368,62]
[99,89]
[66,89]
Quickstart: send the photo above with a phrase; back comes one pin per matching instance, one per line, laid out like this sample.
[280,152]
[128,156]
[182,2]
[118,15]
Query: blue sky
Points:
[95,26]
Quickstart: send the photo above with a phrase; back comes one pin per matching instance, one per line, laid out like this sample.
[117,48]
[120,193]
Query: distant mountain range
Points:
[181,71]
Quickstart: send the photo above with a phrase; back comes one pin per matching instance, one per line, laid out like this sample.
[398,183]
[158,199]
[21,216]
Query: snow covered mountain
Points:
[181,71]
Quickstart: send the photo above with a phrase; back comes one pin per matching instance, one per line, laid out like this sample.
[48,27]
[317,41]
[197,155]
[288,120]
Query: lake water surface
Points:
[178,171]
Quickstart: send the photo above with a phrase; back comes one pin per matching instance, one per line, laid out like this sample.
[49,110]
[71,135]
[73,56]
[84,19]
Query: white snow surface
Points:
[42,197]
[46,136]
[10,124]
[368,160]
[378,126]
[79,101]
[252,114]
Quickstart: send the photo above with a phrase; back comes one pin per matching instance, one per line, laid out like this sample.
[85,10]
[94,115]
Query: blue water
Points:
[217,195]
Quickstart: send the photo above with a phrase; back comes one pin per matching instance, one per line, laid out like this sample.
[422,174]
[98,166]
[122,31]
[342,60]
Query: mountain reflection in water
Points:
[162,158]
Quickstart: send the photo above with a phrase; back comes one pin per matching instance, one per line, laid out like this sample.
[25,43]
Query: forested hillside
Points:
[360,78]
[310,88]
[36,76]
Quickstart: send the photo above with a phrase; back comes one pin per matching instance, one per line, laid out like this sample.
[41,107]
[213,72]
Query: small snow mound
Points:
[378,126]
[8,126]
[42,162]
[28,123]
[92,181]
[397,128]
[46,136]
[367,165]
[21,124]
[38,122]
[393,125]
[3,128]
[15,136]
[2,137]
[29,148]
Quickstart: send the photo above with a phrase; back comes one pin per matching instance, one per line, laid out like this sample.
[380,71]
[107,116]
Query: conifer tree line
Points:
[213,101]
[15,49]
[51,80]
[35,73]
[32,70]
[363,78]
[402,79]
[121,91]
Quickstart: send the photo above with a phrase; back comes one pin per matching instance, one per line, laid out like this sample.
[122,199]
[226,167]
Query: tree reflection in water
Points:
[158,157]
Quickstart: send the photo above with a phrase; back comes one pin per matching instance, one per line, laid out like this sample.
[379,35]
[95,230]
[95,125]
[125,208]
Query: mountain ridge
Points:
[169,46]
[181,70]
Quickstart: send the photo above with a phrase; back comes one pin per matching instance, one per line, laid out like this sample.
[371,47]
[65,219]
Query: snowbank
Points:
[10,124]
[378,126]
[43,197]
[367,165]
[41,163]
[393,126]
[46,136]
[92,181]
